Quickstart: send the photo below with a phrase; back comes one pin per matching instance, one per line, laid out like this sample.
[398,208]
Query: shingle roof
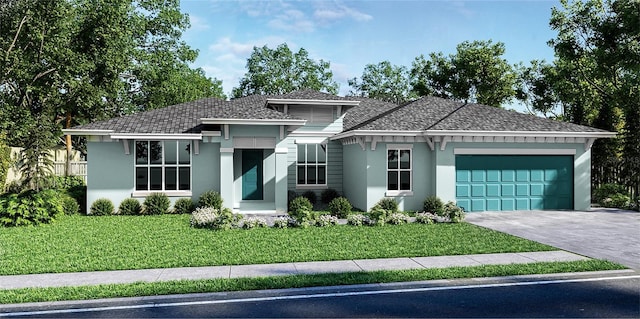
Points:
[186,117]
[428,113]
[433,113]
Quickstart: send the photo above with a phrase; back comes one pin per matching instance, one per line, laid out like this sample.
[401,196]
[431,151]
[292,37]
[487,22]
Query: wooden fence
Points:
[617,170]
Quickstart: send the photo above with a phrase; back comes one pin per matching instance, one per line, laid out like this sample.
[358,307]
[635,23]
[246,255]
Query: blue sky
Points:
[351,34]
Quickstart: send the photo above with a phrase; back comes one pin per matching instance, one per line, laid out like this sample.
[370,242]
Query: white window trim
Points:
[326,167]
[176,192]
[399,192]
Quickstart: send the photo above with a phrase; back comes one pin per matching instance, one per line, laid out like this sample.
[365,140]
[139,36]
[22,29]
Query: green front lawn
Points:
[92,243]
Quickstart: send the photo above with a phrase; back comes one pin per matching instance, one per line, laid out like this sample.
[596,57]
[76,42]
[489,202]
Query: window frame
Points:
[317,164]
[163,166]
[399,148]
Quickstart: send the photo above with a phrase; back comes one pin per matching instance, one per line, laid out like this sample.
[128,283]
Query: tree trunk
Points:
[67,169]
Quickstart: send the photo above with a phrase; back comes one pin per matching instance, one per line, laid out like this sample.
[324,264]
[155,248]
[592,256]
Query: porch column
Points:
[445,181]
[281,180]
[226,176]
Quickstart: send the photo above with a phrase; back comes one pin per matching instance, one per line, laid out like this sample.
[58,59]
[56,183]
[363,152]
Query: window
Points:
[312,164]
[163,165]
[398,170]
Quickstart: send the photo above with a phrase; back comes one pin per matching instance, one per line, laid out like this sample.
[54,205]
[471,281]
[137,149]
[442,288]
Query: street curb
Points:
[6,308]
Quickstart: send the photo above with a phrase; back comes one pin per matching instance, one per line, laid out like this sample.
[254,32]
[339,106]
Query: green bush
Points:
[156,204]
[130,206]
[453,212]
[426,218]
[608,190]
[328,195]
[70,205]
[616,200]
[358,220]
[101,207]
[65,182]
[311,196]
[184,206]
[210,199]
[340,207]
[388,204]
[226,219]
[300,209]
[254,222]
[433,204]
[397,218]
[30,208]
[379,215]
[5,160]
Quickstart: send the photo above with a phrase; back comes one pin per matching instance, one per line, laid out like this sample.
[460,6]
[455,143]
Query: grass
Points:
[296,281]
[94,243]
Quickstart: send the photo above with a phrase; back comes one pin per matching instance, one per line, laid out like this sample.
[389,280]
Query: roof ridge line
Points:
[385,113]
[447,116]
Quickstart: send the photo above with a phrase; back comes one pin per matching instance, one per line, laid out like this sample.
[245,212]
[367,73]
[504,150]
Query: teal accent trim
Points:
[514,182]
[252,176]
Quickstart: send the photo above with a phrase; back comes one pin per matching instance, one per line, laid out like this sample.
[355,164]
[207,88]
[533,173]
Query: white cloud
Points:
[340,11]
[292,20]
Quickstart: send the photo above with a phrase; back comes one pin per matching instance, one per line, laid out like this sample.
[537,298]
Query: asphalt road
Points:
[605,297]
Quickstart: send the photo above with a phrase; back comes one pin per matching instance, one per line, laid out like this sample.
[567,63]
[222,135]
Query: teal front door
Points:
[252,175]
[514,182]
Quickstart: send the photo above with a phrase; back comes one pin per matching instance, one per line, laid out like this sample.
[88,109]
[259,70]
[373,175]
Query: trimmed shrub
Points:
[70,205]
[101,207]
[227,219]
[328,195]
[426,218]
[388,204]
[156,204]
[65,182]
[203,217]
[30,208]
[300,209]
[397,218]
[254,222]
[453,212]
[433,204]
[358,220]
[379,215]
[340,207]
[326,220]
[210,199]
[184,206]
[130,206]
[311,196]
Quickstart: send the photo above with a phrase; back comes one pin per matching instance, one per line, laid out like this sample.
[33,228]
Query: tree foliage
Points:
[69,62]
[598,49]
[279,71]
[383,81]
[476,73]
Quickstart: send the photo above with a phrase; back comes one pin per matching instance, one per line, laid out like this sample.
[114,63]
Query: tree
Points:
[279,71]
[69,62]
[475,73]
[383,81]
[599,41]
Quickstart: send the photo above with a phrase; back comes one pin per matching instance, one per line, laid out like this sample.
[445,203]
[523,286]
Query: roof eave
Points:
[83,132]
[473,133]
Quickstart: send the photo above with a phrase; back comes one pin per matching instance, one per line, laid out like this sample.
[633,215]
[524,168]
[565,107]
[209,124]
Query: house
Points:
[254,149]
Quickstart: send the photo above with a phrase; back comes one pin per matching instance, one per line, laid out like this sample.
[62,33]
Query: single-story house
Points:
[255,149]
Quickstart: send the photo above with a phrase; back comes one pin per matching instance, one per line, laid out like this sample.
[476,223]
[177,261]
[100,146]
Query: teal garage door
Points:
[514,182]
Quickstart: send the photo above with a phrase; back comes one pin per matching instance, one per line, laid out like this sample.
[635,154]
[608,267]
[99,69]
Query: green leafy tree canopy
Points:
[383,81]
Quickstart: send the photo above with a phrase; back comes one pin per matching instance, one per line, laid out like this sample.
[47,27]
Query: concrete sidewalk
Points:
[282,269]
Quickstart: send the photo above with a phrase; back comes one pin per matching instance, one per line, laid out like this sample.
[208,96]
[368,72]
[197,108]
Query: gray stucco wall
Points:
[110,172]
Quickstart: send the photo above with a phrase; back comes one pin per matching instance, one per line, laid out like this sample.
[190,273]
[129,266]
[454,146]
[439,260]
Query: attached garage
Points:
[514,182]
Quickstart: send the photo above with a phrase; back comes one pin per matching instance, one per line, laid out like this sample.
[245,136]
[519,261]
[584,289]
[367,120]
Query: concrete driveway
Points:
[609,234]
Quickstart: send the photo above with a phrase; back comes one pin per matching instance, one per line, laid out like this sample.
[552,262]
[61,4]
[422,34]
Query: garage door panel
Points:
[522,189]
[493,190]
[514,182]
[463,191]
[478,190]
